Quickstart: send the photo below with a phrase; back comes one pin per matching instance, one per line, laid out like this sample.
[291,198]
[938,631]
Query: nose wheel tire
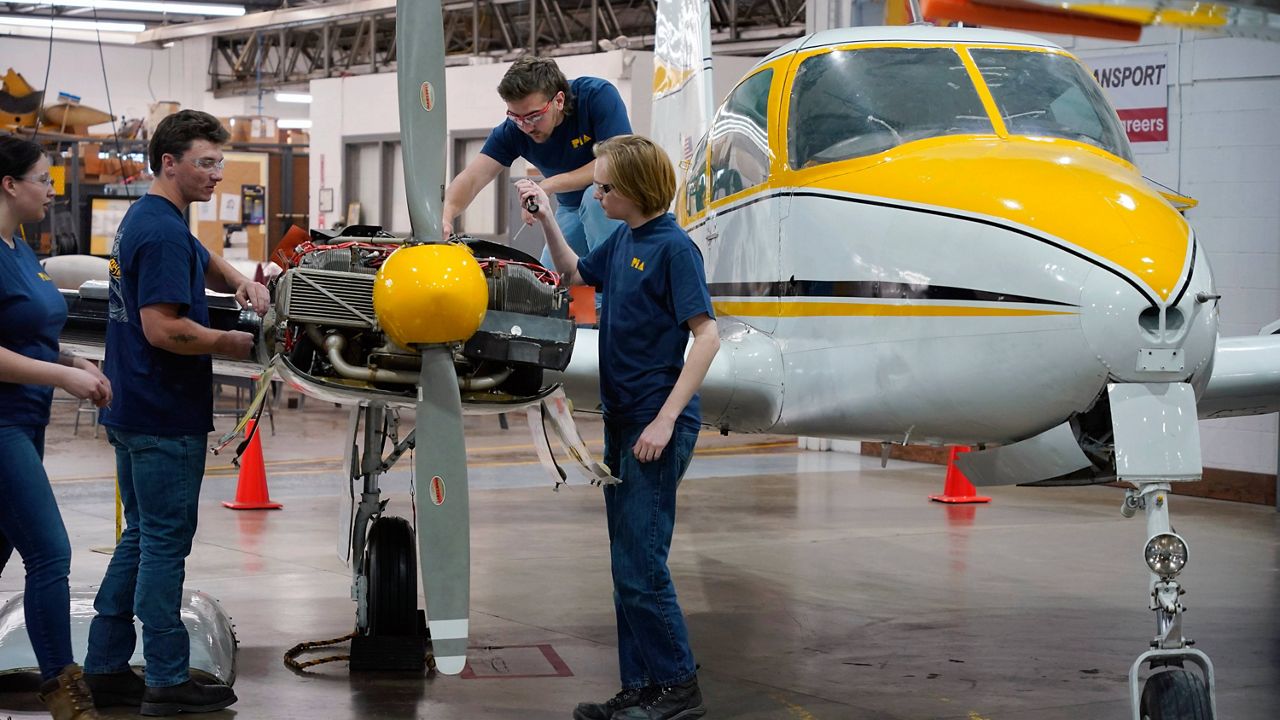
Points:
[393,577]
[1175,694]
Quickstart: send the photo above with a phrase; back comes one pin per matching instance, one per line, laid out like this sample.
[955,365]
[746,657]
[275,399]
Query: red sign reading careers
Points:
[1146,124]
[1138,87]
[437,490]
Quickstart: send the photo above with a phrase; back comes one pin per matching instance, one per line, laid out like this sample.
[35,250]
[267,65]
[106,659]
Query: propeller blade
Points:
[423,126]
[443,517]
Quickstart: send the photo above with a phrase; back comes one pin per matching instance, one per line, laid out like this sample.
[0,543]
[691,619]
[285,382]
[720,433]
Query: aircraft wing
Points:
[1246,378]
[1114,19]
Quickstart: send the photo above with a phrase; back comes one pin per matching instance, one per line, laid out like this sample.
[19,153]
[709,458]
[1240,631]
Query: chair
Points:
[82,407]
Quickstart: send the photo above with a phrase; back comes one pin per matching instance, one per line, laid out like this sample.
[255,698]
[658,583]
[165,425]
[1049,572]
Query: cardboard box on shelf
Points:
[157,112]
[90,163]
[297,137]
[96,168]
[254,129]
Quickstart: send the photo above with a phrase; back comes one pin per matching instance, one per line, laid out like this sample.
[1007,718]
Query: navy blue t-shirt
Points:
[156,259]
[653,282]
[32,313]
[598,114]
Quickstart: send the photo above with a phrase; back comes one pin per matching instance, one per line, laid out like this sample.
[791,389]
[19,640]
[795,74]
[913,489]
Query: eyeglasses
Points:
[209,164]
[605,188]
[531,119]
[42,180]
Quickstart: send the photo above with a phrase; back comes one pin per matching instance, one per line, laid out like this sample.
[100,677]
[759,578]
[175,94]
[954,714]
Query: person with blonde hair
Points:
[32,313]
[655,296]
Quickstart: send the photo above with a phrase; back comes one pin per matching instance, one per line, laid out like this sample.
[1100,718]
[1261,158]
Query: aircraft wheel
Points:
[1175,695]
[393,577]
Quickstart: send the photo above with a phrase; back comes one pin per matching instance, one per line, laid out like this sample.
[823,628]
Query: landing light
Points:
[1166,555]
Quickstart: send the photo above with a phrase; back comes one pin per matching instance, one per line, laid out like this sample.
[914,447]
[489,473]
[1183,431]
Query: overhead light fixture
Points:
[61,24]
[293,97]
[296,124]
[167,8]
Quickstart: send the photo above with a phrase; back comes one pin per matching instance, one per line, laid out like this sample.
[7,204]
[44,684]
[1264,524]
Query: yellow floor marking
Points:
[281,466]
[796,711]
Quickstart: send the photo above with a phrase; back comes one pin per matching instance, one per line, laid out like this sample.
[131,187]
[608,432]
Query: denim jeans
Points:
[30,522]
[159,480]
[653,643]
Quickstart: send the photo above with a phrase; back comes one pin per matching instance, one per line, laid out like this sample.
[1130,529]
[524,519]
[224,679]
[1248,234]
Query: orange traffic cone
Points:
[957,488]
[251,490]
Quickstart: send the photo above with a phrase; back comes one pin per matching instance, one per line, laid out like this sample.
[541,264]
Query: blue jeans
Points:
[31,524]
[159,480]
[653,643]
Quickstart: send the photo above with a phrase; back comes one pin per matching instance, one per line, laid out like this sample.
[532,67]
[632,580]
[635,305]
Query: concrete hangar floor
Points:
[817,585]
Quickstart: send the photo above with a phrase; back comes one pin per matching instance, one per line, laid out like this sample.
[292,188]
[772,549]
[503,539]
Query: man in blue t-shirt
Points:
[655,296]
[554,124]
[158,360]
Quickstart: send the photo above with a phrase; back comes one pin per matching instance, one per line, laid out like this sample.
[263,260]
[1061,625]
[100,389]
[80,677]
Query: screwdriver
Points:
[531,206]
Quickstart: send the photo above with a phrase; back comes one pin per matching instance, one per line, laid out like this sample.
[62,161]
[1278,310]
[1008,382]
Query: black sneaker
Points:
[189,697]
[122,688]
[605,710]
[678,702]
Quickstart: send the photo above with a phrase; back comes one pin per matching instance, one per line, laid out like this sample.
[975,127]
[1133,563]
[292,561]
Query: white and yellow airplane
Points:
[911,234]
[939,235]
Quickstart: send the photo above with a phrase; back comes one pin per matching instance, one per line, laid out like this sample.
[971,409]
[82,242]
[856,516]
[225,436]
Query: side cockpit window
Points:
[695,188]
[858,102]
[739,138]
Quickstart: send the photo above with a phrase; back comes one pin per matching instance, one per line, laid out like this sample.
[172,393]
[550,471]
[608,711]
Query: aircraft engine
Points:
[326,330]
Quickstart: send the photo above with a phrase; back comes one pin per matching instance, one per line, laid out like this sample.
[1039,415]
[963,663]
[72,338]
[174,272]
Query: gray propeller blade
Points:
[440,458]
[423,126]
[444,516]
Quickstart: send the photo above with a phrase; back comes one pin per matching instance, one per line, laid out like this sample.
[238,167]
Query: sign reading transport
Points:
[1138,87]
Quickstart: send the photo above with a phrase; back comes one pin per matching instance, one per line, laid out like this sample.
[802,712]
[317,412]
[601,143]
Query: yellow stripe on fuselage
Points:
[805,308]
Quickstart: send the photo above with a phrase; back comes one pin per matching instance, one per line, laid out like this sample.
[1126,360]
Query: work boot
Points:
[189,697]
[67,697]
[676,702]
[605,710]
[123,688]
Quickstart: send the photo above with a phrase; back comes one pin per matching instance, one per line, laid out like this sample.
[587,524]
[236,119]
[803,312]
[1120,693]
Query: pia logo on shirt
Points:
[44,277]
[113,268]
[637,264]
[580,141]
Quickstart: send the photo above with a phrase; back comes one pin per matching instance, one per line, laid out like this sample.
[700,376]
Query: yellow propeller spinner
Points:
[430,294]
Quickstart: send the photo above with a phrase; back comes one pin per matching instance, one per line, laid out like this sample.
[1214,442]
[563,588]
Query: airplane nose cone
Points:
[1139,340]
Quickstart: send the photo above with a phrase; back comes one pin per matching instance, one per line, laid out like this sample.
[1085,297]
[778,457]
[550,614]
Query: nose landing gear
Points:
[1170,691]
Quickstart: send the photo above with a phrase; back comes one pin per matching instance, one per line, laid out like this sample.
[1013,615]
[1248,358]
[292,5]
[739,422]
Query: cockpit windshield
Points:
[1046,94]
[851,103]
